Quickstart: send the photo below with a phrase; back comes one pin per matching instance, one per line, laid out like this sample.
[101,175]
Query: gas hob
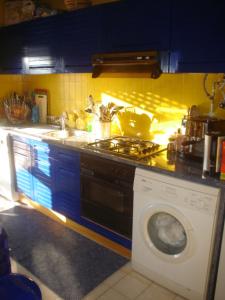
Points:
[128,147]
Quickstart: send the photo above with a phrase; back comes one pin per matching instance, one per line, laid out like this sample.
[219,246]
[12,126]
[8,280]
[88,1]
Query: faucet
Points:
[62,120]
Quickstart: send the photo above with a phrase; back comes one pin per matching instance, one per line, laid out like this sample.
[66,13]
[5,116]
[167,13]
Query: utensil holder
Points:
[101,130]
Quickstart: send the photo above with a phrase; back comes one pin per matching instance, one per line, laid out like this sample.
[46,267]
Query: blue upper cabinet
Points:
[12,49]
[41,46]
[198,43]
[80,38]
[137,25]
[191,32]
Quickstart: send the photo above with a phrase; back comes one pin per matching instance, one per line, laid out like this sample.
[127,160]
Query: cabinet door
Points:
[43,189]
[67,184]
[24,181]
[80,38]
[43,163]
[42,45]
[198,43]
[12,49]
[22,164]
[67,187]
[137,25]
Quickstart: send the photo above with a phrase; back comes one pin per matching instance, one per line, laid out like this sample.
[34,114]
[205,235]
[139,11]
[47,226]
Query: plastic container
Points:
[35,114]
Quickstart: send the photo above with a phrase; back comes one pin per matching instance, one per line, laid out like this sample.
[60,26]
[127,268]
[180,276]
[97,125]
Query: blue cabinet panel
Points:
[22,162]
[12,49]
[81,38]
[24,182]
[198,43]
[67,183]
[41,46]
[134,25]
[69,160]
[43,191]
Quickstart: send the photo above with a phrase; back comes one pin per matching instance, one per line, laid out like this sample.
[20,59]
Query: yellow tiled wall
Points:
[165,99]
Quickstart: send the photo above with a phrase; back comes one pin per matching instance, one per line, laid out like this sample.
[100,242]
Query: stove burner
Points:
[128,147]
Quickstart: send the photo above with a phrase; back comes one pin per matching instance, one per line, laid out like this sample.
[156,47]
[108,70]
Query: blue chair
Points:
[14,286]
[18,287]
[5,265]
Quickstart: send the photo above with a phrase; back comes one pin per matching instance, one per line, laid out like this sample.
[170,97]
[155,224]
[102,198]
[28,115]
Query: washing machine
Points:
[174,225]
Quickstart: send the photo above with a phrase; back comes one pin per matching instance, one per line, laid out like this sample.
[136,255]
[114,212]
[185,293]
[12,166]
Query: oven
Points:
[107,193]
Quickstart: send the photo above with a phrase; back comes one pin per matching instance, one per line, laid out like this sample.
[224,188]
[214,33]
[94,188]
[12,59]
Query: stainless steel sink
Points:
[77,136]
[59,134]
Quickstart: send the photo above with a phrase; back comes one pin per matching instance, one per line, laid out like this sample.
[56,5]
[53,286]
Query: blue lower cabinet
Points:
[24,183]
[67,192]
[43,192]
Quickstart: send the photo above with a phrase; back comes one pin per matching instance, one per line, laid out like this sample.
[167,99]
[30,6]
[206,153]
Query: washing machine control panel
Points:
[179,196]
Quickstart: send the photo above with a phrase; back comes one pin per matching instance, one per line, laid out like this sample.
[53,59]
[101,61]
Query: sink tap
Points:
[63,119]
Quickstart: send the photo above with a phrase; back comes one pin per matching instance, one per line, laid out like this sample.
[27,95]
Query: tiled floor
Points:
[124,284]
[127,284]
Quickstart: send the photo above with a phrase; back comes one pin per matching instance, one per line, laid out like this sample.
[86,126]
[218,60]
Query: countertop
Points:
[164,162]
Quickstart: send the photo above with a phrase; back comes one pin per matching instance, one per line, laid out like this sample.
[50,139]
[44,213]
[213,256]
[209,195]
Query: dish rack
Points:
[16,110]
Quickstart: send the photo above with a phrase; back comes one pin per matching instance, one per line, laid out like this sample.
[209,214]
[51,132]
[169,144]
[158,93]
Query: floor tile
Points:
[111,294]
[130,286]
[127,268]
[179,298]
[156,292]
[140,277]
[114,278]
[97,292]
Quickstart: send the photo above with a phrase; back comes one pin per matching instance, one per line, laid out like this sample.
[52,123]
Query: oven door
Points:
[107,203]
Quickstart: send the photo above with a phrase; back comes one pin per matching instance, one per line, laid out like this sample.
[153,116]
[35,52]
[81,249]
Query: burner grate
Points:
[127,147]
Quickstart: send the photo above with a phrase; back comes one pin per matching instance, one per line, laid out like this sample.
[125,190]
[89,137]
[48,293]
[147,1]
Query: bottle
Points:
[178,141]
[35,114]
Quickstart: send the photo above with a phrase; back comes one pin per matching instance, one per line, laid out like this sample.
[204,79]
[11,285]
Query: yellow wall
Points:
[166,98]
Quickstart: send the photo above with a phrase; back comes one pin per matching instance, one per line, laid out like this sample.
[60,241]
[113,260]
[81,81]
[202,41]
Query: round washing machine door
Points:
[167,232]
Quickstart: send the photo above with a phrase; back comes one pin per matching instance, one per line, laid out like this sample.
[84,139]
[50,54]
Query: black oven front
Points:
[107,193]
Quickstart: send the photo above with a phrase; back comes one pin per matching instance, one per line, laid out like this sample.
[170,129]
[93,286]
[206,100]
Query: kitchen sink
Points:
[59,134]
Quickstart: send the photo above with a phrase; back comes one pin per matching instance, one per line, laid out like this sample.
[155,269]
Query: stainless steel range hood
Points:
[127,64]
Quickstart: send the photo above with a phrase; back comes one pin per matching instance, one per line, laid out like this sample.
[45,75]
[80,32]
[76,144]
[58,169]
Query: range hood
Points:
[127,64]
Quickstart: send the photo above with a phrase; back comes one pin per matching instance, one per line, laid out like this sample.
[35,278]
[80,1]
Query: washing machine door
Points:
[167,232]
